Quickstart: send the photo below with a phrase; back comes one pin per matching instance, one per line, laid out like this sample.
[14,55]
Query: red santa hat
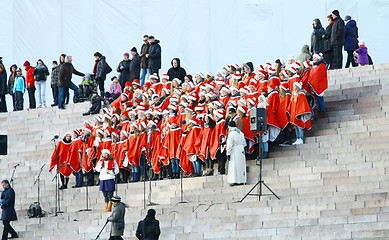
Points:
[153,76]
[88,129]
[108,131]
[99,118]
[233,89]
[291,69]
[284,86]
[243,90]
[242,102]
[176,80]
[148,84]
[167,91]
[157,112]
[272,85]
[165,76]
[117,116]
[136,82]
[268,64]
[189,109]
[124,133]
[262,72]
[307,64]
[77,131]
[172,107]
[237,76]
[318,56]
[192,97]
[218,114]
[232,102]
[191,85]
[198,108]
[260,67]
[251,101]
[128,84]
[227,67]
[125,94]
[100,131]
[88,123]
[242,109]
[297,84]
[297,65]
[219,104]
[271,70]
[154,96]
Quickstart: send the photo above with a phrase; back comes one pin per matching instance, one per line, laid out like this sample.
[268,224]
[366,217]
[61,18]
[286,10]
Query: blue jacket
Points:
[350,36]
[19,84]
[8,205]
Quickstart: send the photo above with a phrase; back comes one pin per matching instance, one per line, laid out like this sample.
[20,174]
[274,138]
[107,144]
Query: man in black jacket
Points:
[41,72]
[144,64]
[65,80]
[134,65]
[337,39]
[148,229]
[3,87]
[154,55]
[124,70]
[8,206]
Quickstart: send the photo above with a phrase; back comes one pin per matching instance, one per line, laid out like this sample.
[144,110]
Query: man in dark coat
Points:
[154,55]
[176,71]
[134,65]
[124,70]
[337,39]
[149,227]
[350,40]
[317,41]
[8,206]
[65,80]
[327,50]
[3,88]
[117,219]
[100,71]
[144,64]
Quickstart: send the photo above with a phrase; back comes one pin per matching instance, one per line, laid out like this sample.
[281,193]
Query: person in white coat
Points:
[235,152]
[108,168]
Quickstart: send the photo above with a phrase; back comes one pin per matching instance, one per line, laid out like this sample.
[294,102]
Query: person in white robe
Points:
[235,152]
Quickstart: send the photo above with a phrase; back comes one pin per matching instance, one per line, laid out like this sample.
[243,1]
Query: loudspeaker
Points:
[3,144]
[258,119]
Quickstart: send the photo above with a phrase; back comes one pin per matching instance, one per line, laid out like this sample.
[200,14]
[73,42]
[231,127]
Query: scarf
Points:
[94,68]
[109,163]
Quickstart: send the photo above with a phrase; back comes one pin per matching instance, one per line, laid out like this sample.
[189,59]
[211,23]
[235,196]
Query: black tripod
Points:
[150,169]
[57,192]
[260,182]
[37,180]
[181,170]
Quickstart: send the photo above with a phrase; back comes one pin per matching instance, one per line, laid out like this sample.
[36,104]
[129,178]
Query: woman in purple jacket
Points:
[363,58]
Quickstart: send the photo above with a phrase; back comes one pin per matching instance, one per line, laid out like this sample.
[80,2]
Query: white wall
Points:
[205,34]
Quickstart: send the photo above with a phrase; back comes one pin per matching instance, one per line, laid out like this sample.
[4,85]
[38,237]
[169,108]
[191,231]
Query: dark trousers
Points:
[64,180]
[61,96]
[3,104]
[8,230]
[107,196]
[221,160]
[337,57]
[18,99]
[31,97]
[90,178]
[101,87]
[115,238]
[328,59]
[79,179]
[154,70]
[350,59]
[95,109]
[13,101]
[54,90]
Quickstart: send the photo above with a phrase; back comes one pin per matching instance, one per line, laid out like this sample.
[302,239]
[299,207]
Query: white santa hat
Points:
[242,102]
[251,101]
[233,89]
[297,84]
[124,133]
[167,91]
[218,114]
[307,64]
[165,76]
[154,76]
[240,108]
[177,80]
[199,108]
[318,56]
[219,104]
[262,98]
[100,131]
[87,122]
[165,112]
[291,57]
[243,90]
[105,151]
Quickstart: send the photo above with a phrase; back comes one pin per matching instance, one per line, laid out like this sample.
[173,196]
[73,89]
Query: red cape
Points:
[318,78]
[63,151]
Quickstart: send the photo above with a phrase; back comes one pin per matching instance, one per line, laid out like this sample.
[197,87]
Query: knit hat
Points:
[18,70]
[26,64]
[133,49]
[113,78]
[116,199]
[55,62]
[347,17]
[336,13]
[126,55]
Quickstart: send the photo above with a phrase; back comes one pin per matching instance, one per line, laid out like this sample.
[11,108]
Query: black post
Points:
[87,209]
[181,170]
[150,169]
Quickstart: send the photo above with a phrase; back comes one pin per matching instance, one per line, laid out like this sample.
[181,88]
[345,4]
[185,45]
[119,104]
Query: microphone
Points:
[183,122]
[43,165]
[55,137]
[120,128]
[17,165]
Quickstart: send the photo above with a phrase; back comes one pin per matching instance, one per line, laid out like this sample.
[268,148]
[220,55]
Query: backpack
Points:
[35,210]
[108,69]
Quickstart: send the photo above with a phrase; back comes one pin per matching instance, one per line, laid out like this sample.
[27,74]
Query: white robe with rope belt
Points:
[235,149]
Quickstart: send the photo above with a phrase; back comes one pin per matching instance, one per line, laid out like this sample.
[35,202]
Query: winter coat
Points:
[8,205]
[144,63]
[337,32]
[135,67]
[30,79]
[10,80]
[65,74]
[54,76]
[101,69]
[327,38]
[41,72]
[305,55]
[363,58]
[118,89]
[350,36]
[148,229]
[117,220]
[19,84]
[177,72]
[124,75]
[155,55]
[317,41]
[3,82]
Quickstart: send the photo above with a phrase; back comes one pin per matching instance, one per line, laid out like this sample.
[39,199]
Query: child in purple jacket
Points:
[363,59]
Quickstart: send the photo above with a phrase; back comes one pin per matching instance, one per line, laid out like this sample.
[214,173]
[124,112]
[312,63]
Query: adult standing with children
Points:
[350,40]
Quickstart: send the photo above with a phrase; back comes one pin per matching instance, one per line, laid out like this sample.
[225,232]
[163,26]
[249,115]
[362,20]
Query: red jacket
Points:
[30,79]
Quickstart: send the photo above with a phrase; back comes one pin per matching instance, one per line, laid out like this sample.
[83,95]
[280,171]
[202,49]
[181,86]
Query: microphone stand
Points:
[37,180]
[86,209]
[13,173]
[181,171]
[57,192]
[151,168]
